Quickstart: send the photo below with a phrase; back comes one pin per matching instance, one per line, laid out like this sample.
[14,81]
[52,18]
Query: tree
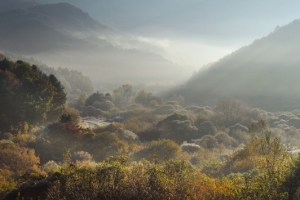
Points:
[81,100]
[147,99]
[178,98]
[97,96]
[229,112]
[16,159]
[123,96]
[58,101]
[177,127]
[27,94]
[76,80]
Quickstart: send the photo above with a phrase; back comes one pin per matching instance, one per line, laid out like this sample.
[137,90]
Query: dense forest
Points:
[147,147]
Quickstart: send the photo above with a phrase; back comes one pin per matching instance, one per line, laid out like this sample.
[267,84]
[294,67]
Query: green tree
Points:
[27,94]
[81,99]
[97,96]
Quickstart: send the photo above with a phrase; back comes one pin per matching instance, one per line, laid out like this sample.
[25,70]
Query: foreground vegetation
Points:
[158,149]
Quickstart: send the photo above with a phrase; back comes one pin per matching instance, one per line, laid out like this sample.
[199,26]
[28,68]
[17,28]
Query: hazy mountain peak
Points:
[63,35]
[71,17]
[15,4]
[262,74]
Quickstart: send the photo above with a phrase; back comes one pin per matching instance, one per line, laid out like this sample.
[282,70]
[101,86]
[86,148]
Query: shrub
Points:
[224,138]
[104,145]
[195,160]
[179,99]
[126,135]
[150,135]
[110,128]
[241,136]
[104,105]
[6,184]
[212,167]
[177,127]
[190,147]
[16,166]
[81,156]
[137,124]
[200,118]
[97,97]
[164,149]
[147,99]
[50,166]
[207,141]
[206,128]
[168,107]
[76,119]
[237,127]
[92,111]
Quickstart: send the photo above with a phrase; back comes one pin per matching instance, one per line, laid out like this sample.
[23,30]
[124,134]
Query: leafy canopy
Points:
[28,95]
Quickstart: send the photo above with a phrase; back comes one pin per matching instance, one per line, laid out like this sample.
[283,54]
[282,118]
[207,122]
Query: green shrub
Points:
[150,135]
[104,145]
[164,149]
[207,141]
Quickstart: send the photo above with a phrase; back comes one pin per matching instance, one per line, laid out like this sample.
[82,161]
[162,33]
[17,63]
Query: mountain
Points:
[264,74]
[14,4]
[63,35]
[45,28]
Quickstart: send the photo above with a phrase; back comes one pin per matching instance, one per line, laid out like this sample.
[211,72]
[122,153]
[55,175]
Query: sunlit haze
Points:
[149,99]
[192,33]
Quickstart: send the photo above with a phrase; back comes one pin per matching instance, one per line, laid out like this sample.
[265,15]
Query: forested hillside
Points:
[28,95]
[74,82]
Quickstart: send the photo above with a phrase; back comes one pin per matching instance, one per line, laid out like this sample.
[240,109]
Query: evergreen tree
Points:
[27,94]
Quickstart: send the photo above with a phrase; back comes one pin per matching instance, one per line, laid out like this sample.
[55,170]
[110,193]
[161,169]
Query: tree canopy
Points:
[28,95]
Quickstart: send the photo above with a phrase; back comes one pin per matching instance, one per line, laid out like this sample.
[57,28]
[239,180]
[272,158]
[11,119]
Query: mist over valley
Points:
[63,35]
[127,100]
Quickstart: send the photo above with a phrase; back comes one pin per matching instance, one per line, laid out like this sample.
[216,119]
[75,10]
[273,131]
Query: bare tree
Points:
[123,96]
[229,112]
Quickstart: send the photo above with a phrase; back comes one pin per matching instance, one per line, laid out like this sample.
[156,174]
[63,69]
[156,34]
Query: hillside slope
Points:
[15,4]
[63,35]
[264,74]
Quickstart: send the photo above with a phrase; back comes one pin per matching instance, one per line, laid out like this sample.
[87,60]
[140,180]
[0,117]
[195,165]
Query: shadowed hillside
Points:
[46,28]
[264,74]
[13,4]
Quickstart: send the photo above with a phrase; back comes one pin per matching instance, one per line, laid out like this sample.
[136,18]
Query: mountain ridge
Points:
[63,35]
[262,74]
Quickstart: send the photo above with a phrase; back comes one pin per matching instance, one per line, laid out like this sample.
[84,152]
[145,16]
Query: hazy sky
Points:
[192,32]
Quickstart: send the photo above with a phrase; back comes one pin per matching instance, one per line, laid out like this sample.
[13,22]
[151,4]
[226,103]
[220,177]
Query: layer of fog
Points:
[163,48]
[191,53]
[263,74]
[191,33]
